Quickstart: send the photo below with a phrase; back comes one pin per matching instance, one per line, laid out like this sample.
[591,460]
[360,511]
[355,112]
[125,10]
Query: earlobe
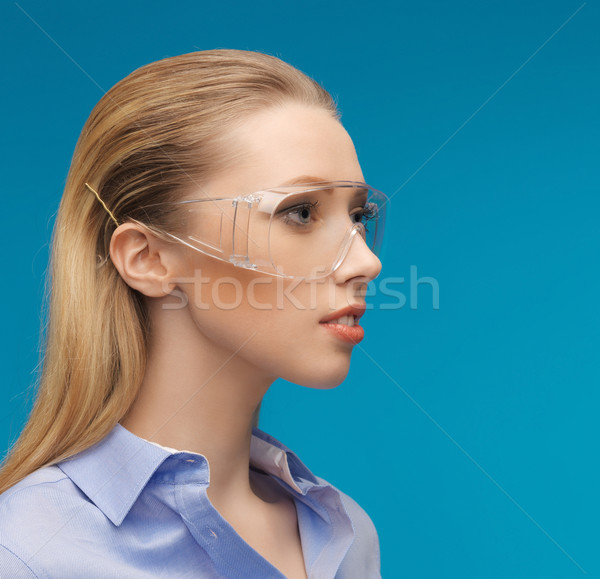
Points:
[141,260]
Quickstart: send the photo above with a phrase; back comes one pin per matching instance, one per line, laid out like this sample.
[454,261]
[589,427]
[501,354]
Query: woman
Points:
[215,234]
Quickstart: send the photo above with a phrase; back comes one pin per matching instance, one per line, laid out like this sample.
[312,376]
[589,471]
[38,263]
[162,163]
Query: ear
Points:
[143,260]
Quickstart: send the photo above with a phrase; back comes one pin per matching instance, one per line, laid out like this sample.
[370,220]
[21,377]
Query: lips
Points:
[343,316]
[343,324]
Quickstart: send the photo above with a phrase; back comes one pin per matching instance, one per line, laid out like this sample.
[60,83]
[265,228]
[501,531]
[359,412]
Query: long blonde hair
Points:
[152,135]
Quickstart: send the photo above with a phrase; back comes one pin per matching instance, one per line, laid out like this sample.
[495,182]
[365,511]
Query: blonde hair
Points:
[153,134]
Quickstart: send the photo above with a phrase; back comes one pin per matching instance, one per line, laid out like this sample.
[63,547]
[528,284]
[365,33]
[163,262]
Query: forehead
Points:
[284,144]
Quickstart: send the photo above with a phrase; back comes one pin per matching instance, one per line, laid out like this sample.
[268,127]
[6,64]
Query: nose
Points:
[360,262]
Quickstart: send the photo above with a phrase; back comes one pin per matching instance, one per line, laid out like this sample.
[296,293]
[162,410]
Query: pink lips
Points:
[350,334]
[356,311]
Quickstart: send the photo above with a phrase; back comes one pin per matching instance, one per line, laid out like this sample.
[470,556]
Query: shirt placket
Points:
[232,557]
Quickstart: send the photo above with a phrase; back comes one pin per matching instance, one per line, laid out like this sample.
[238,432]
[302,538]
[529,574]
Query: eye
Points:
[302,214]
[366,214]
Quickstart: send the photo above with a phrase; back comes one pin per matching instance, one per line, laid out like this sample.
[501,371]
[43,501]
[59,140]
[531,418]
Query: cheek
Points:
[299,349]
[230,305]
[239,302]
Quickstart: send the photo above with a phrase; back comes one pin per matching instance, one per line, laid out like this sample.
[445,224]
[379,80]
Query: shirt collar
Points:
[275,458]
[114,472]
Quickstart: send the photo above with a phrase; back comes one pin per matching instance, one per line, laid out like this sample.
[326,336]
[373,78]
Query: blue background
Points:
[469,432]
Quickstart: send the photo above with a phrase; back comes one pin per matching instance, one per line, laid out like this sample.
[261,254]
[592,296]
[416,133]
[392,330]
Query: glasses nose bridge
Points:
[355,230]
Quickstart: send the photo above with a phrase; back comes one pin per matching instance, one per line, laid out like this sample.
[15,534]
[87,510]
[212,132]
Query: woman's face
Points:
[285,317]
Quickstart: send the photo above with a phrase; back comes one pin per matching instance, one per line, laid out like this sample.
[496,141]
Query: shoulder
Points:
[363,556]
[30,513]
[362,523]
[43,491]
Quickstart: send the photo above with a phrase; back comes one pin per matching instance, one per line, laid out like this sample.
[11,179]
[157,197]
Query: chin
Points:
[321,378]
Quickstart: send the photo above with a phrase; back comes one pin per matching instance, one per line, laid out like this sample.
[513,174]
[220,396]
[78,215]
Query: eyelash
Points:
[366,213]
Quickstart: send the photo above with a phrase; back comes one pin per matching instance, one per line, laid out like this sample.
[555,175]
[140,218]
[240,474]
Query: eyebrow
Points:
[305,180]
[359,192]
[311,180]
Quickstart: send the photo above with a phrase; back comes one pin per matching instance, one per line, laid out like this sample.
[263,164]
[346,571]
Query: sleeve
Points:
[12,566]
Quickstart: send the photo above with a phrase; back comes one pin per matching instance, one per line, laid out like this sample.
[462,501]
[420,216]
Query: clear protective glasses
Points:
[296,231]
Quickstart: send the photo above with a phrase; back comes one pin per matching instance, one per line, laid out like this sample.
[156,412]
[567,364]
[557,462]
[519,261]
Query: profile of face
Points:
[277,326]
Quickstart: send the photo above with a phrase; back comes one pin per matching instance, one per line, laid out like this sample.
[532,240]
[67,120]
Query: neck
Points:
[199,396]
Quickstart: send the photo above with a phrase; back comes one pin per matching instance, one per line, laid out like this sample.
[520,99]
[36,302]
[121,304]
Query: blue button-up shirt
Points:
[128,508]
